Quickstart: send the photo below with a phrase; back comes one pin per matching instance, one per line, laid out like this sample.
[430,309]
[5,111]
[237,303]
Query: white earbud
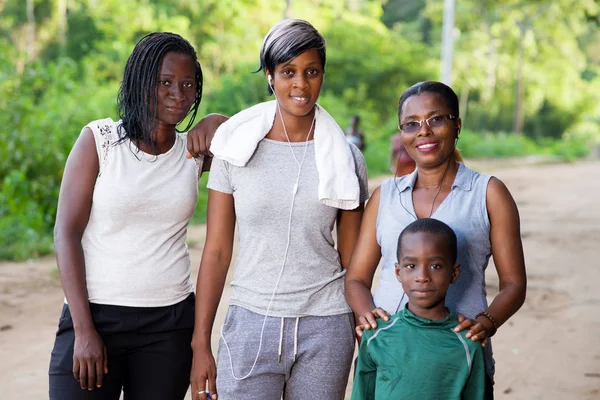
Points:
[270,78]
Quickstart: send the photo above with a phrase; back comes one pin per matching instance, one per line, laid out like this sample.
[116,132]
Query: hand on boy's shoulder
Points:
[475,331]
[471,344]
[370,320]
[383,325]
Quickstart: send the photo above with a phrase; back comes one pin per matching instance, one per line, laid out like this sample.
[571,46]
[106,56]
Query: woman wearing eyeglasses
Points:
[479,208]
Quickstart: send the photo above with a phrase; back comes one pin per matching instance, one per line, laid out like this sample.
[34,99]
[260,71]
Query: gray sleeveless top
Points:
[465,211]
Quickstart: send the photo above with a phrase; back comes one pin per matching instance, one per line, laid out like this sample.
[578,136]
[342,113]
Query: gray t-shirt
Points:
[312,283]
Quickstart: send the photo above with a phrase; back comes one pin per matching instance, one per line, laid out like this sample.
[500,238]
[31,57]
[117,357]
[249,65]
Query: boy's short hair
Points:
[434,226]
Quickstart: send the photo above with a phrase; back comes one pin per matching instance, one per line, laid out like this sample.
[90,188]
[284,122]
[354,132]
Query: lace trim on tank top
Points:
[108,131]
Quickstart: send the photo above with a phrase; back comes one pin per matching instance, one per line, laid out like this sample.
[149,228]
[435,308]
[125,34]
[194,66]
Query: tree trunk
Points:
[524,26]
[30,42]
[288,9]
[352,5]
[447,43]
[62,24]
[490,85]
[490,82]
[520,89]
[464,101]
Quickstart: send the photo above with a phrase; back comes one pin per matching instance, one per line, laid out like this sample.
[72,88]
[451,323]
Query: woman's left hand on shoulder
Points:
[479,329]
[201,135]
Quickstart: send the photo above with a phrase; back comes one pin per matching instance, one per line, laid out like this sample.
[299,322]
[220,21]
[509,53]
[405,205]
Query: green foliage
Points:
[24,228]
[50,87]
[42,115]
[494,145]
[236,91]
[200,213]
[567,150]
[503,145]
[377,157]
[368,65]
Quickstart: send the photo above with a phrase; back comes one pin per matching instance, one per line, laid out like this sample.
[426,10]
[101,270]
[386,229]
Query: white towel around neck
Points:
[236,140]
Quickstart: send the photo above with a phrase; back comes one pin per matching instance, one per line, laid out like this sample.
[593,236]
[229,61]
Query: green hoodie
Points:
[415,358]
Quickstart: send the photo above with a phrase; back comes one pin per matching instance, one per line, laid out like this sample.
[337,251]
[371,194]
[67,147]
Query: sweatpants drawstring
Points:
[296,338]
[279,352]
[280,341]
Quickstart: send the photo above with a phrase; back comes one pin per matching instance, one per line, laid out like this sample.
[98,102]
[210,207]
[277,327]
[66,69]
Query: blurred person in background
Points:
[354,134]
[400,162]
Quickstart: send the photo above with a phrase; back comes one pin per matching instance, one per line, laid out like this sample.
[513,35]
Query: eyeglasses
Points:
[436,121]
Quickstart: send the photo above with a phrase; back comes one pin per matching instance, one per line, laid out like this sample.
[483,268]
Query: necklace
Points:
[441,185]
[439,190]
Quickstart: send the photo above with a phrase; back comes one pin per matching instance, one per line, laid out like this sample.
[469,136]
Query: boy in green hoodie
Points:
[416,354]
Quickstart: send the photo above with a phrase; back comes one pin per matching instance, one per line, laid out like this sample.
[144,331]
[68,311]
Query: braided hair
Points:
[137,98]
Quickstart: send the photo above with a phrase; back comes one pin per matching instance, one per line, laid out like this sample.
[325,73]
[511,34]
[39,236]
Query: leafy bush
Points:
[495,145]
[503,145]
[45,97]
[24,228]
[377,157]
[568,150]
[200,213]
[42,112]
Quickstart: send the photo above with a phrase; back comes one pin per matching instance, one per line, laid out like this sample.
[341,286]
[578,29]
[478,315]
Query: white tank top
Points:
[134,243]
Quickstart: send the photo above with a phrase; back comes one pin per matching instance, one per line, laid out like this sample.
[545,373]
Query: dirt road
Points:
[548,350]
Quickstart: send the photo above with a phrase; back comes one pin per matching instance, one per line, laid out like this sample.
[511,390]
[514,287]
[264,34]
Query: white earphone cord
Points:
[287,246]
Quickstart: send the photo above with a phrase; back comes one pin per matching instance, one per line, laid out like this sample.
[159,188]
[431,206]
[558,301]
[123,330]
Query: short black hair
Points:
[287,40]
[137,98]
[443,90]
[433,226]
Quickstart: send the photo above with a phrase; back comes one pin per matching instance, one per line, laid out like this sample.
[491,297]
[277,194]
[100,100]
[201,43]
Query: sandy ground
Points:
[548,350]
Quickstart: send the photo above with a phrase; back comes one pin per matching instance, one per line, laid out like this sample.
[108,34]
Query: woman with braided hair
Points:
[126,198]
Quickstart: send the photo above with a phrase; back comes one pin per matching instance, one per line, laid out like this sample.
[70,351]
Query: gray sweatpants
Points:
[300,358]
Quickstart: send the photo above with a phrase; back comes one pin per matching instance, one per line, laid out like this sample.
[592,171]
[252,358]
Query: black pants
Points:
[148,350]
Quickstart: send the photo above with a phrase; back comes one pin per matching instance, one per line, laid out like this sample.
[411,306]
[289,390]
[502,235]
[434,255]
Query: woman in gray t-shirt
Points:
[288,331]
[479,208]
